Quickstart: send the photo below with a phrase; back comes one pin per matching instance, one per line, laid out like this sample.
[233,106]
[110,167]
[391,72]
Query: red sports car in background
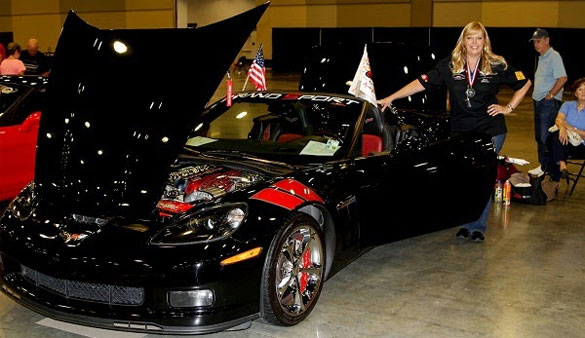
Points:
[21,100]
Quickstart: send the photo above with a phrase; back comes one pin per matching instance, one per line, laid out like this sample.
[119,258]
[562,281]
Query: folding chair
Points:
[576,158]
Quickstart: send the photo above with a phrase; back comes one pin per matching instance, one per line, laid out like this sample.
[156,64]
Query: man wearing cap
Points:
[549,79]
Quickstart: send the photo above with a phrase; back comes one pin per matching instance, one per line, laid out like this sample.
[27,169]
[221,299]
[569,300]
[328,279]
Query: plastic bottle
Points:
[507,193]
[498,192]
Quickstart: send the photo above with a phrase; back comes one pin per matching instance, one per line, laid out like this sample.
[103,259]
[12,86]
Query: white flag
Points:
[363,84]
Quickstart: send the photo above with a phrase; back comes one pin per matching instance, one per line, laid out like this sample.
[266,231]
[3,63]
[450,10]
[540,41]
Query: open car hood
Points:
[121,104]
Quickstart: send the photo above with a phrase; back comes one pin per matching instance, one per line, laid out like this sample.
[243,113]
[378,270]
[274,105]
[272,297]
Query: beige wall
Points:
[331,13]
[496,13]
[43,19]
[396,14]
[571,14]
[204,12]
[455,14]
[416,13]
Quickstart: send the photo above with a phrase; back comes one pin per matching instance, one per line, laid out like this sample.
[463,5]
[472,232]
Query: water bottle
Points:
[498,192]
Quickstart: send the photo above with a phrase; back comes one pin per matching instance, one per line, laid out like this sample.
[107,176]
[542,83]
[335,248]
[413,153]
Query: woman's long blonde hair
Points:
[488,58]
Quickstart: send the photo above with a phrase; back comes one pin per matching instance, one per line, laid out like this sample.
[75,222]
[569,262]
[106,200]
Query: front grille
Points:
[93,292]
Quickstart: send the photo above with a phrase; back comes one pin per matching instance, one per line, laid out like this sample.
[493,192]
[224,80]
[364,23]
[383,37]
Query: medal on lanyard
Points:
[470,92]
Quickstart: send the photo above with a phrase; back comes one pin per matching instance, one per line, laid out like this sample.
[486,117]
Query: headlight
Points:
[207,225]
[23,206]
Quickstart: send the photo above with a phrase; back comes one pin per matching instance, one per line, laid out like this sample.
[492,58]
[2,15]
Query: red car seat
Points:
[377,135]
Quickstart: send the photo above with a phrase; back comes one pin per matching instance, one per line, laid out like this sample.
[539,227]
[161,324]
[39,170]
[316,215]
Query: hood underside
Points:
[121,104]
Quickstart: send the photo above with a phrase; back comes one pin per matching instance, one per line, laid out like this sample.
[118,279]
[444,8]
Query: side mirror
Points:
[30,122]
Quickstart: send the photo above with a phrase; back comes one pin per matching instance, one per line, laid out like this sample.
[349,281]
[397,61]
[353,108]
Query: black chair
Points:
[574,178]
[576,158]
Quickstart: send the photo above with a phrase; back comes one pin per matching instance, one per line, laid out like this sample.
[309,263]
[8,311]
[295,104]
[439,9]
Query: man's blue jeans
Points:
[479,225]
[545,113]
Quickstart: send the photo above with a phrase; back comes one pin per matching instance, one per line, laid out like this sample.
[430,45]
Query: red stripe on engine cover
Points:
[296,188]
[277,197]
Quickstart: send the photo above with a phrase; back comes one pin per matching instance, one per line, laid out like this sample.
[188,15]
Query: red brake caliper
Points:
[305,276]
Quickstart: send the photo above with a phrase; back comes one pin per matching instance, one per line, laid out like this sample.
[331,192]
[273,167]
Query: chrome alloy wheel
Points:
[299,270]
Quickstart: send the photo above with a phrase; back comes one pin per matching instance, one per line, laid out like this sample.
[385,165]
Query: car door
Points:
[19,124]
[373,198]
[400,193]
[375,170]
[396,197]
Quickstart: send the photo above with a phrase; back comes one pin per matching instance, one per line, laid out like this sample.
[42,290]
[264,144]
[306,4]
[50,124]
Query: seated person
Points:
[12,65]
[34,60]
[570,122]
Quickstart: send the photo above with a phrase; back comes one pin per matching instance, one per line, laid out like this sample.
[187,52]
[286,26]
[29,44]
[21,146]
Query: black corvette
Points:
[149,213]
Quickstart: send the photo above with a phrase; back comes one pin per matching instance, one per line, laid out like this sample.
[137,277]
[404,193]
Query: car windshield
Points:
[301,128]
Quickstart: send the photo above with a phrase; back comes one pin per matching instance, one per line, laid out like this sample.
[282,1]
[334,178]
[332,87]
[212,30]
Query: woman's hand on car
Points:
[384,103]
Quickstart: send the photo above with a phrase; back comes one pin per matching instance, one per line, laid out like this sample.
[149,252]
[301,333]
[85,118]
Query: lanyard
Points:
[469,92]
[471,75]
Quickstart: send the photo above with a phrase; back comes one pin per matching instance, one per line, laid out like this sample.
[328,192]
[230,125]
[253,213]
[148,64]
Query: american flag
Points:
[257,72]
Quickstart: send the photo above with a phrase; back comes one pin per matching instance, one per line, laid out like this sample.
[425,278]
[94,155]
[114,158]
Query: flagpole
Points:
[246,82]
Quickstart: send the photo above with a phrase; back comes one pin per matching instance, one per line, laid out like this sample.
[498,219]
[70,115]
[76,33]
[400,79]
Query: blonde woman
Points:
[472,74]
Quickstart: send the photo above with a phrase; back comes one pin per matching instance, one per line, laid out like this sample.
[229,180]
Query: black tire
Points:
[298,293]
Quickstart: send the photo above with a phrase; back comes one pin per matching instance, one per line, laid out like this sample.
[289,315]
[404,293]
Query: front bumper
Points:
[236,302]
[124,325]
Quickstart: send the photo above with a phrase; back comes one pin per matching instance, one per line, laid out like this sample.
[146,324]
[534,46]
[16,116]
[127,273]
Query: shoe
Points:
[564,174]
[462,233]
[536,171]
[477,237]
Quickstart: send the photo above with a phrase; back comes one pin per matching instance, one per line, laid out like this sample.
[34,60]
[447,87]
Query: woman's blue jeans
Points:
[479,225]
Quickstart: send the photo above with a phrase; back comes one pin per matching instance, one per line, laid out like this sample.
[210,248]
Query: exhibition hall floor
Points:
[526,280]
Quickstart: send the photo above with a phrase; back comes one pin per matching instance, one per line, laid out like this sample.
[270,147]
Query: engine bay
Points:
[191,184]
